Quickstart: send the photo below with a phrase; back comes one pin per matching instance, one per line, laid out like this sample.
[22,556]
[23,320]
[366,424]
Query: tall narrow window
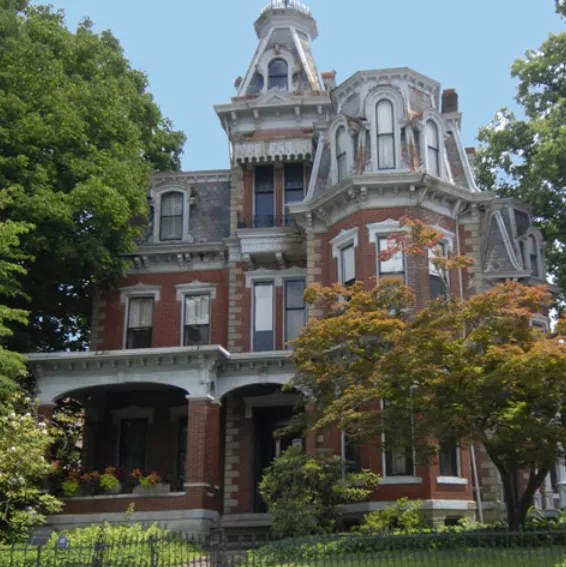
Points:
[433,148]
[278,75]
[295,309]
[341,153]
[385,135]
[133,434]
[398,462]
[348,265]
[393,268]
[352,454]
[171,216]
[534,257]
[197,320]
[437,283]
[140,323]
[264,200]
[294,185]
[263,330]
[449,459]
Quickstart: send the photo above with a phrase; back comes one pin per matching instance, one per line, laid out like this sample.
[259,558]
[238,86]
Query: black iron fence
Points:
[479,548]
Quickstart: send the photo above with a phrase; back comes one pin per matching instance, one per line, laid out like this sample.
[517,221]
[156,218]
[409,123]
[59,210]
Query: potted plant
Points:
[150,484]
[109,481]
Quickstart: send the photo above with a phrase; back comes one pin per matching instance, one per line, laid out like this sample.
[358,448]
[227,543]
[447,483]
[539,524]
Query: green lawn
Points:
[543,557]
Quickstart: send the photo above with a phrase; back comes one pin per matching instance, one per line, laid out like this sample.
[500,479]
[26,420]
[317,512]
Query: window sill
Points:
[391,480]
[452,480]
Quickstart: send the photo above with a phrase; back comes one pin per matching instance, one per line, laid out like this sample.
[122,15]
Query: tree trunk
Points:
[517,503]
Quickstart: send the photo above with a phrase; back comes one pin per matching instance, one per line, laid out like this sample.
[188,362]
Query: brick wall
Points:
[167,311]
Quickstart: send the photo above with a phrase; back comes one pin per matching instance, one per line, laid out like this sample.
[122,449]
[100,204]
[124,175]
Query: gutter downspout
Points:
[472,448]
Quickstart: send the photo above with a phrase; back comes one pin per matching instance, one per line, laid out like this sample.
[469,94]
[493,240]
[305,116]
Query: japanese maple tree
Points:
[471,370]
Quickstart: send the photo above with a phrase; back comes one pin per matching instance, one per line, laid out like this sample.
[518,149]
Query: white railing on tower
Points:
[282,4]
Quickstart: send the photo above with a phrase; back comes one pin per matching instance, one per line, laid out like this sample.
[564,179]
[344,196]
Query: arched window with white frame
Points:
[171,221]
[278,75]
[432,148]
[385,135]
[341,153]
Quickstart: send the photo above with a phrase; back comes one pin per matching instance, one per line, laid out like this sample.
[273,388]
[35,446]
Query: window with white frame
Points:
[278,75]
[341,153]
[139,333]
[449,459]
[437,282]
[394,266]
[171,222]
[348,265]
[432,148]
[385,135]
[263,317]
[196,328]
[295,309]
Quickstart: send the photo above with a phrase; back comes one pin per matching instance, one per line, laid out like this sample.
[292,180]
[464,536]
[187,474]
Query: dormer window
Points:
[278,72]
[171,222]
[385,135]
[341,153]
[534,257]
[432,148]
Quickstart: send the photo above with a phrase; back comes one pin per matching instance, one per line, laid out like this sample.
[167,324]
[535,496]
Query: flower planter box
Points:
[156,489]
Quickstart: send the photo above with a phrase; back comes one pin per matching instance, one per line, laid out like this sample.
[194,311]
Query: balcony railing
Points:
[265,221]
[282,4]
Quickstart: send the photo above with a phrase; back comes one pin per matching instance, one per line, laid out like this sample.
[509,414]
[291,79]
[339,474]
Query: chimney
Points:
[449,101]
[329,80]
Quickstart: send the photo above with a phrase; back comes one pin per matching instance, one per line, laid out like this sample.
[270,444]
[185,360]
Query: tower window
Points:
[432,148]
[385,135]
[278,75]
[264,196]
[341,154]
[171,216]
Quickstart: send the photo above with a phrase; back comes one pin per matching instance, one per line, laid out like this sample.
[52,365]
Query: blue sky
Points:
[193,50]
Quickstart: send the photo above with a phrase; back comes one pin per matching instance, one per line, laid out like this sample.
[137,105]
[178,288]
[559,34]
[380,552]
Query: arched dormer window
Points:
[432,148]
[341,153]
[385,135]
[534,256]
[278,72]
[171,222]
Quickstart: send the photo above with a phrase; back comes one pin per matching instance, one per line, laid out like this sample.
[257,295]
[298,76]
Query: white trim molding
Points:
[275,276]
[401,479]
[140,290]
[382,228]
[455,480]
[344,239]
[195,288]
[133,412]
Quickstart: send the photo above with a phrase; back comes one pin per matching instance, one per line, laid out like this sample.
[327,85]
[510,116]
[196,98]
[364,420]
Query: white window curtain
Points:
[263,307]
[141,313]
[348,261]
[385,135]
[197,310]
[395,264]
[433,148]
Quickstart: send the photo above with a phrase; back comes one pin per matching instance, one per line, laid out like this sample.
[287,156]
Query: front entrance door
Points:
[266,422]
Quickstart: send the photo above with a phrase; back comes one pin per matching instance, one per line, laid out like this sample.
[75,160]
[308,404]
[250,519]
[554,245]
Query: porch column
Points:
[561,466]
[548,493]
[203,454]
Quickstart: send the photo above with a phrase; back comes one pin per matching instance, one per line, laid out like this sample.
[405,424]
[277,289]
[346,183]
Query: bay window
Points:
[385,135]
[347,265]
[394,267]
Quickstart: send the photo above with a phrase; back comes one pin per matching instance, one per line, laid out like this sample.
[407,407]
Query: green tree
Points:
[467,371]
[12,365]
[526,157]
[303,492]
[80,136]
[23,445]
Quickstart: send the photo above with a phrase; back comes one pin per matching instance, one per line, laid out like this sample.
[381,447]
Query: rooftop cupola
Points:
[284,13]
[283,59]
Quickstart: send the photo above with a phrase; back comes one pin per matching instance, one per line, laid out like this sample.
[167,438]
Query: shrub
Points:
[302,491]
[403,515]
